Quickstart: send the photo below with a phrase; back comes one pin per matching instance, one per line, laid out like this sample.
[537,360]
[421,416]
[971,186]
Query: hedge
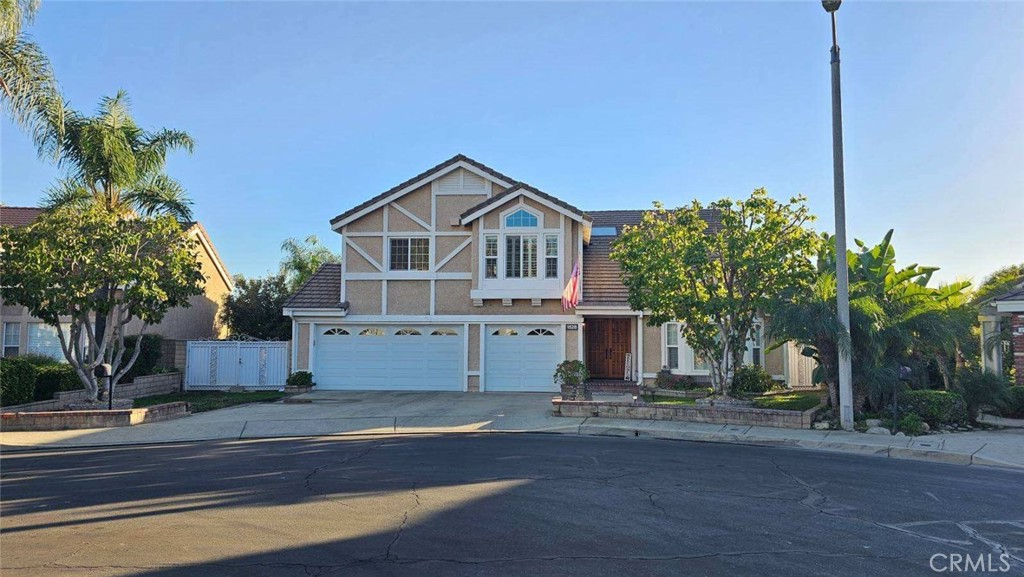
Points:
[935,407]
[17,381]
[752,380]
[56,378]
[148,357]
[1013,406]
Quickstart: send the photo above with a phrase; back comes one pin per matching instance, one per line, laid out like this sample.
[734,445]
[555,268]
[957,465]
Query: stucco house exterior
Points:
[24,333]
[1005,308]
[452,280]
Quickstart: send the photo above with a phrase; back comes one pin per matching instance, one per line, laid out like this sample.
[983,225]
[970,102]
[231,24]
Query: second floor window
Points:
[491,256]
[410,254]
[520,256]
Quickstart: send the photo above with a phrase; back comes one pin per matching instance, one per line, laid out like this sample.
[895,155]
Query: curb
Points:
[597,430]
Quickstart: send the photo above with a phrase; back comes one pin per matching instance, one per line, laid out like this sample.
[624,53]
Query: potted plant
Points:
[572,377]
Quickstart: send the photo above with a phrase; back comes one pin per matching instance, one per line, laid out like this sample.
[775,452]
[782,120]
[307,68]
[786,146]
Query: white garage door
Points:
[388,358]
[522,357]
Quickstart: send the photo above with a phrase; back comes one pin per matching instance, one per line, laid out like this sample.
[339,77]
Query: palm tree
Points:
[28,89]
[895,319]
[111,161]
[302,259]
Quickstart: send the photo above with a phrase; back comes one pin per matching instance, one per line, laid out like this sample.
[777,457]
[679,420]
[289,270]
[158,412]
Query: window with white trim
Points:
[679,356]
[672,346]
[335,332]
[490,256]
[505,333]
[444,333]
[43,339]
[551,256]
[520,256]
[540,333]
[12,339]
[521,218]
[756,345]
[407,333]
[410,254]
[372,332]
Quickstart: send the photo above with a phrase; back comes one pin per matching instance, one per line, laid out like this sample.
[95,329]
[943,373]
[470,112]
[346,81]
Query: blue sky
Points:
[302,110]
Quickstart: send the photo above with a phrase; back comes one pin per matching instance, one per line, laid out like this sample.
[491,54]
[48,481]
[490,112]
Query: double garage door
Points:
[432,357]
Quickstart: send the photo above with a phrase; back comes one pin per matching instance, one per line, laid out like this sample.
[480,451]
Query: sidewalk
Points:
[341,414]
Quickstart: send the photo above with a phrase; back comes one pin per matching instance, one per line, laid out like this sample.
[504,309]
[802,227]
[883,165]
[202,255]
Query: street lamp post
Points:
[842,271]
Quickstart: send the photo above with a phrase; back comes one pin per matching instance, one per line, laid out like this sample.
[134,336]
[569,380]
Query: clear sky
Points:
[302,110]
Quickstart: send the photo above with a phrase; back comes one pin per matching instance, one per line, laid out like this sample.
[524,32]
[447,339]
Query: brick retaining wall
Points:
[147,386]
[64,420]
[717,415]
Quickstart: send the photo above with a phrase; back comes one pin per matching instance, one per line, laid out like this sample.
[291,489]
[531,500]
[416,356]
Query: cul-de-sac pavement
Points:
[498,504]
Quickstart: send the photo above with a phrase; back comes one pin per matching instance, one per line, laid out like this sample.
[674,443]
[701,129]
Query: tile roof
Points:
[18,215]
[602,282]
[1016,295]
[420,176]
[321,291]
[508,192]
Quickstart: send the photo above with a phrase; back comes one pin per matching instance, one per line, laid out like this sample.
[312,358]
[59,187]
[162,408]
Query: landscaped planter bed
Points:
[714,414]
[63,420]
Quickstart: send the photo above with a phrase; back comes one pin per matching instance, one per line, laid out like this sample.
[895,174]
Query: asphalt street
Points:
[498,505]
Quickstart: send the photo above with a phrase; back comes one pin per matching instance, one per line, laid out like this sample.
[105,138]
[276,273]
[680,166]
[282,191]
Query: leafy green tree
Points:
[254,308]
[715,278]
[110,161]
[999,282]
[87,265]
[28,90]
[302,259]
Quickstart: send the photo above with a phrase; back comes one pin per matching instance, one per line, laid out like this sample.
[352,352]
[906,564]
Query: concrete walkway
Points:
[335,413]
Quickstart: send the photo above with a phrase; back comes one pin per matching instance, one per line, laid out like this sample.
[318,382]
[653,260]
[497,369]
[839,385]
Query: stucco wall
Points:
[408,297]
[417,202]
[302,362]
[773,362]
[652,349]
[572,352]
[451,207]
[474,347]
[372,222]
[363,297]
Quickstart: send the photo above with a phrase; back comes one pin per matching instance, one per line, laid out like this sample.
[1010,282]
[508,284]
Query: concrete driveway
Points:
[329,413]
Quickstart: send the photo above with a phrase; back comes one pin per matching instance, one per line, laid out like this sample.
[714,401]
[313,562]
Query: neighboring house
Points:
[24,333]
[452,280]
[994,312]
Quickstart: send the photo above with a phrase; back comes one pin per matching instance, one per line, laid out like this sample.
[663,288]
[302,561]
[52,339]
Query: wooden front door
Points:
[608,342]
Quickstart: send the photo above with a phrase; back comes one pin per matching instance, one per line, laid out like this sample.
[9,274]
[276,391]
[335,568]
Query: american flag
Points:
[571,294]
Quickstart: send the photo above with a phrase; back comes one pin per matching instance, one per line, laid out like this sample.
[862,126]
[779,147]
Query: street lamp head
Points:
[831,6]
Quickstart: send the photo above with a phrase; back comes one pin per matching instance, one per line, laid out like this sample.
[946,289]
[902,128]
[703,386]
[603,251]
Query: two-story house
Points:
[452,281]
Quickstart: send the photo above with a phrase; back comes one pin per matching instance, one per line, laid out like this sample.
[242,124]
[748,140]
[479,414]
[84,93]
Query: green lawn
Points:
[211,400]
[659,400]
[789,401]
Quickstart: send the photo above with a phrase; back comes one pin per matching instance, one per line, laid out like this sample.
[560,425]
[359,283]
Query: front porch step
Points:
[613,386]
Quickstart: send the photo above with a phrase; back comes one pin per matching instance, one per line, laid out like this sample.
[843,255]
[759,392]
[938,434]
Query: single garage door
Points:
[389,358]
[522,357]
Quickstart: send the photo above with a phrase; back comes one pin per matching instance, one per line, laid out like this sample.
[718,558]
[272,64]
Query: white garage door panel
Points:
[391,362]
[519,361]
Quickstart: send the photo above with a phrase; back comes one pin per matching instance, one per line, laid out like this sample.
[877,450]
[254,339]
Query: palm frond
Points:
[160,194]
[67,192]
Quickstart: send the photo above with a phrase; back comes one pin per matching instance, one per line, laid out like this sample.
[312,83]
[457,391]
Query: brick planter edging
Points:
[715,415]
[64,420]
[145,386]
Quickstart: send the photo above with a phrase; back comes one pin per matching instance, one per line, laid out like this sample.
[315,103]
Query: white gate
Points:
[220,365]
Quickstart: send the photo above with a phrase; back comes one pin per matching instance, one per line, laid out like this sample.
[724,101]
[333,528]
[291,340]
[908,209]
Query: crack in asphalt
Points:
[313,473]
[402,526]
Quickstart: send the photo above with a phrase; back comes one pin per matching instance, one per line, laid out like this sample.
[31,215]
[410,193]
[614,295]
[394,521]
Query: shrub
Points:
[300,379]
[571,373]
[1013,405]
[934,407]
[52,379]
[981,389]
[17,381]
[148,357]
[911,424]
[752,380]
[39,360]
[666,380]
